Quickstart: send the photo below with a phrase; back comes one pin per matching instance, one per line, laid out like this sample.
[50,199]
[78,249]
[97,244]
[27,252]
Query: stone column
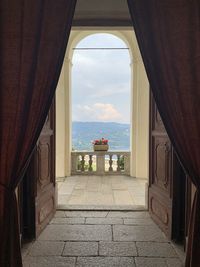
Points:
[100,163]
[68,115]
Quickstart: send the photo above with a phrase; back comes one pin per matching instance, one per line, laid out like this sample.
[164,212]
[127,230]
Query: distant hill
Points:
[83,133]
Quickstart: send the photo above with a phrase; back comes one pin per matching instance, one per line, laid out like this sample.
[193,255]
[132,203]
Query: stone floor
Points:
[102,192]
[101,239]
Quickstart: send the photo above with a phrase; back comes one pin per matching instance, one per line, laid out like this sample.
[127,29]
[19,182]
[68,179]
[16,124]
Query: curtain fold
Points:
[33,40]
[168,34]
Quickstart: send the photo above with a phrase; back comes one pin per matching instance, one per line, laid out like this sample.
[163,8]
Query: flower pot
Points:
[100,147]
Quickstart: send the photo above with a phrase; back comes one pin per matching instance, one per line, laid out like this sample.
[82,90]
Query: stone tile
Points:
[105,262]
[172,262]
[45,248]
[139,221]
[122,197]
[155,249]
[117,249]
[81,185]
[137,191]
[129,214]
[106,189]
[59,214]
[86,213]
[119,186]
[179,251]
[150,262]
[81,249]
[137,233]
[98,198]
[63,199]
[74,220]
[139,200]
[104,221]
[72,179]
[66,189]
[77,232]
[77,197]
[49,261]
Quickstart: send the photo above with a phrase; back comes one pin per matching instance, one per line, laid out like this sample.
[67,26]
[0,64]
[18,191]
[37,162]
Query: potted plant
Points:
[100,145]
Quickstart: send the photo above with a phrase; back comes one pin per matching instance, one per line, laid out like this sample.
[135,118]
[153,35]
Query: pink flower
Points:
[101,141]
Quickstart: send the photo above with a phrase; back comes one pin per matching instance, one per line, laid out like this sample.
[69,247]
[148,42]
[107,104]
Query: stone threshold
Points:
[103,207]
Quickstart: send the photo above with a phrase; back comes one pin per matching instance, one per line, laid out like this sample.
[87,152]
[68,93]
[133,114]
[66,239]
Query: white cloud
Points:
[83,60]
[112,90]
[107,112]
[97,112]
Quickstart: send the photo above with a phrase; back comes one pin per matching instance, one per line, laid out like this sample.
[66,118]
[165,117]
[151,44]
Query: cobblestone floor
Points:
[102,239]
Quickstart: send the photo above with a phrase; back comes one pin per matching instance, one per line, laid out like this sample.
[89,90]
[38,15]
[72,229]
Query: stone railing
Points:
[100,163]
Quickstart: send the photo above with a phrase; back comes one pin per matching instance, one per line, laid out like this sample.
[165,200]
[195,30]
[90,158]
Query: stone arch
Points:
[139,104]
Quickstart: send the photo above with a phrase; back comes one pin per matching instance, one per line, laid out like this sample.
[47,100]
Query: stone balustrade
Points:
[100,162]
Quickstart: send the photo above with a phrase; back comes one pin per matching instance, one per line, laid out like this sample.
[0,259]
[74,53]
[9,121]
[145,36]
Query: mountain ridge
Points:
[83,133]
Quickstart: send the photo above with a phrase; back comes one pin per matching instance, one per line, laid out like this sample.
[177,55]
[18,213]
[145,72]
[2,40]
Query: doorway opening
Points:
[103,102]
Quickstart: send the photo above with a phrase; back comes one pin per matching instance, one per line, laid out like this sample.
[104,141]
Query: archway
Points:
[139,145]
[139,107]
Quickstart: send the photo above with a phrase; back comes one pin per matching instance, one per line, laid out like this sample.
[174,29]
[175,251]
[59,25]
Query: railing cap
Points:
[101,152]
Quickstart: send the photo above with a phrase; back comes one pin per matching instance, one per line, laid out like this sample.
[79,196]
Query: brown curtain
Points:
[33,39]
[168,33]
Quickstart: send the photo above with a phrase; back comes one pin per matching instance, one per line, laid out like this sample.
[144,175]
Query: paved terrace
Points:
[102,239]
[111,192]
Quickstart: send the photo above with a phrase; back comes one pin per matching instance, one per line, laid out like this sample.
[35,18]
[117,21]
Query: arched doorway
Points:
[139,107]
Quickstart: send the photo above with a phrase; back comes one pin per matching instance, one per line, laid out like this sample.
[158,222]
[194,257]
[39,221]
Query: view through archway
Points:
[101,100]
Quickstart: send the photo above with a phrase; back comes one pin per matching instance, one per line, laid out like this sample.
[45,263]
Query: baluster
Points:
[90,163]
[118,163]
[83,163]
[110,163]
[79,162]
[123,163]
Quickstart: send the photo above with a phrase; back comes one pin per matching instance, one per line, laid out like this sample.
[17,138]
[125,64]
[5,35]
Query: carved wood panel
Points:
[39,191]
[160,184]
[45,170]
[44,161]
[161,152]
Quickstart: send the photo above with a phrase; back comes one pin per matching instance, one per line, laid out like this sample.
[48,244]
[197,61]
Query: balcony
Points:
[100,163]
[100,180]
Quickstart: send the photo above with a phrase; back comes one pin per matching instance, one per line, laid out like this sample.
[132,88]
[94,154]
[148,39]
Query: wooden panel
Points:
[161,210]
[45,173]
[38,192]
[161,163]
[44,161]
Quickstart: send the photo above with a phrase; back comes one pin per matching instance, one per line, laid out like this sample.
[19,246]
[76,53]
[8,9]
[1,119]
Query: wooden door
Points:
[161,173]
[45,186]
[38,192]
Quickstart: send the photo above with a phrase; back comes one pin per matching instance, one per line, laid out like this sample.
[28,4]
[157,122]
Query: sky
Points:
[101,81]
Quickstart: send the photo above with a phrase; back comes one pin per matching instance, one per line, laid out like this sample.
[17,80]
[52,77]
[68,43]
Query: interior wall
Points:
[139,106]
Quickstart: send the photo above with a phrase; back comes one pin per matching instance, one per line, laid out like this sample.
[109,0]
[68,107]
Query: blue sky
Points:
[101,81]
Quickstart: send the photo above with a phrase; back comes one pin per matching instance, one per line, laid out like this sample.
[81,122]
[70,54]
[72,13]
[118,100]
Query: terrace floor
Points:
[102,193]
